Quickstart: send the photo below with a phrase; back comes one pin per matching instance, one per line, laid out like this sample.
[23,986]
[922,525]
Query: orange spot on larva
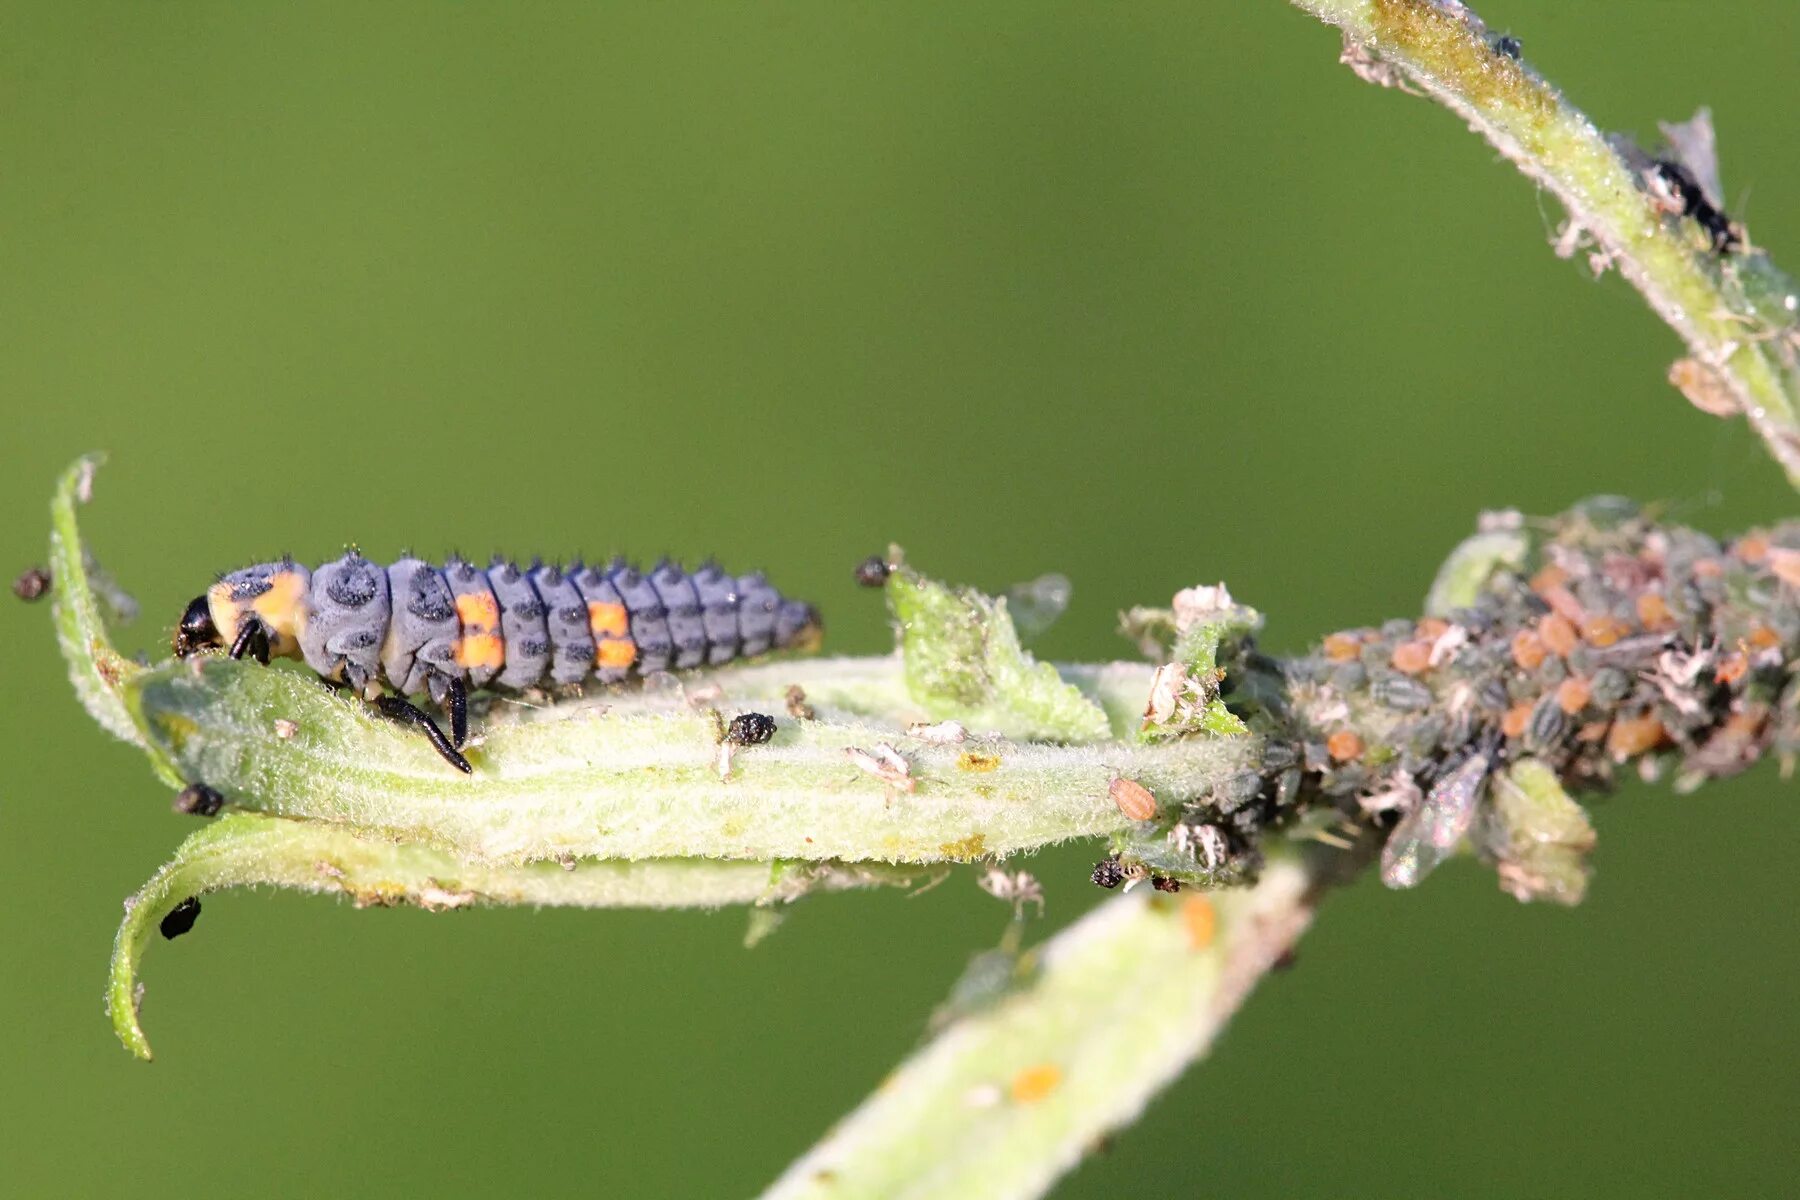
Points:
[1411,658]
[1133,799]
[480,650]
[1593,731]
[1604,631]
[1516,720]
[1708,568]
[1653,613]
[1633,735]
[1558,634]
[1344,745]
[1341,647]
[1732,667]
[1528,650]
[1764,638]
[1201,920]
[607,620]
[1572,695]
[1036,1083]
[615,652]
[479,612]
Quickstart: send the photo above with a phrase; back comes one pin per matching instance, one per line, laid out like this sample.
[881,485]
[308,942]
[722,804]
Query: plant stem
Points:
[247,850]
[1007,1099]
[1736,312]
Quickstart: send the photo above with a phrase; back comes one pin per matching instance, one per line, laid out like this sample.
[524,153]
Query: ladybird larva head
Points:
[799,627]
[196,630]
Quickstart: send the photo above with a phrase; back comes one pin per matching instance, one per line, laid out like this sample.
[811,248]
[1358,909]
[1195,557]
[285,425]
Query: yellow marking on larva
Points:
[478,650]
[479,612]
[1035,1083]
[223,610]
[283,609]
[615,652]
[607,620]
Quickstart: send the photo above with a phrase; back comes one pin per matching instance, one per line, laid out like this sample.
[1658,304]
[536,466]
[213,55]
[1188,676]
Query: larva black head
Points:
[196,631]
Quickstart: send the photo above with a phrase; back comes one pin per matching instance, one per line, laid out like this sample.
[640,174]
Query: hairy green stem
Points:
[1736,312]
[1008,1098]
[247,850]
[639,776]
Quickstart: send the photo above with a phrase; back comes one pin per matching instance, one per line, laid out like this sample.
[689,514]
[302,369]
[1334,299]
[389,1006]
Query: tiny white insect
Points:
[1020,887]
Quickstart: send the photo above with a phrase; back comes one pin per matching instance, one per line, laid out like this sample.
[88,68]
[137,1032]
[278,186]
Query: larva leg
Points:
[456,701]
[396,708]
[252,639]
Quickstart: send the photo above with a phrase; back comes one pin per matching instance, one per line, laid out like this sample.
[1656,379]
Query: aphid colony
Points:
[1622,641]
[421,629]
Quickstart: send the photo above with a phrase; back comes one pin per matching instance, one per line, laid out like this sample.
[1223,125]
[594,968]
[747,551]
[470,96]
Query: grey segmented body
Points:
[417,628]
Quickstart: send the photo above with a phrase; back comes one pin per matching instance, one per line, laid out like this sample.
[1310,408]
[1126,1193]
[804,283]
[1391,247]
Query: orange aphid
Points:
[1341,647]
[1528,650]
[1433,628]
[1752,547]
[1604,631]
[1411,658]
[1562,600]
[1516,720]
[1551,576]
[1133,799]
[1634,735]
[1764,638]
[1746,724]
[1593,731]
[1785,564]
[1572,695]
[1732,667]
[1558,634]
[1035,1083]
[1201,920]
[1653,612]
[1344,745]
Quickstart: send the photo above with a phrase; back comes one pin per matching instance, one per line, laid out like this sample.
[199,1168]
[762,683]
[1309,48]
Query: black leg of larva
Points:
[253,639]
[396,708]
[457,701]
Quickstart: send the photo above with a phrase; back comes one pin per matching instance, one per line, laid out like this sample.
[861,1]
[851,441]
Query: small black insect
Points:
[198,799]
[1508,46]
[1108,873]
[181,918]
[1687,192]
[872,572]
[750,729]
[1163,883]
[32,584]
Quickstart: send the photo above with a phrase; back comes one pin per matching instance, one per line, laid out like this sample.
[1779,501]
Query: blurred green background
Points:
[1147,293]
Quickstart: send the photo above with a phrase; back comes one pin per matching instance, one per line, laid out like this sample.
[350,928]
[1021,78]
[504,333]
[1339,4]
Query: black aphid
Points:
[181,918]
[750,729]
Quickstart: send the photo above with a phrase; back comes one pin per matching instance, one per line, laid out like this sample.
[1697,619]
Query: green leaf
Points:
[246,850]
[963,662]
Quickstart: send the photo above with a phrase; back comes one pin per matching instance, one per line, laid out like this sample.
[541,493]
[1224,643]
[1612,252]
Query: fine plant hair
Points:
[1224,792]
